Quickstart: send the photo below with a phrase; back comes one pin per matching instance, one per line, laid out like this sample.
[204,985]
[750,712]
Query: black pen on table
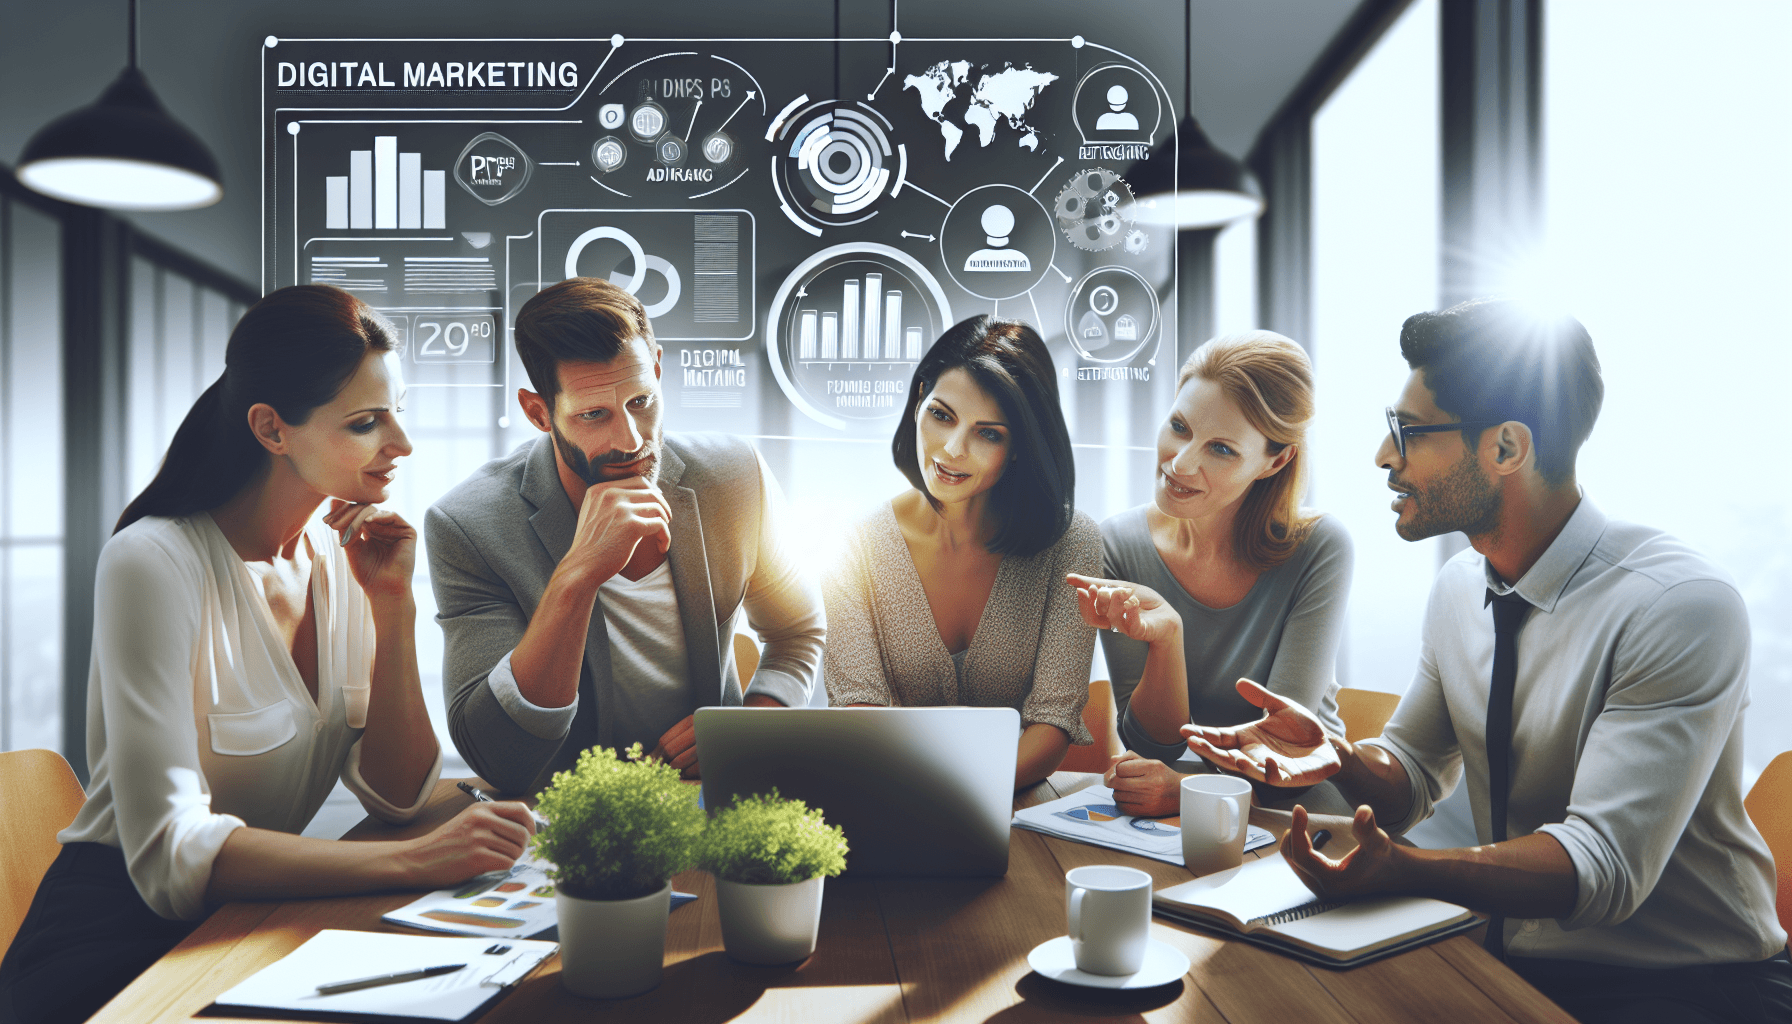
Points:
[480,797]
[335,988]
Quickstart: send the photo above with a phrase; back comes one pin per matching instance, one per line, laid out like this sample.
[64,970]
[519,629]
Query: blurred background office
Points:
[1622,162]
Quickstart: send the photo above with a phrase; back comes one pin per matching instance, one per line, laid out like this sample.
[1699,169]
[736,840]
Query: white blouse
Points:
[198,722]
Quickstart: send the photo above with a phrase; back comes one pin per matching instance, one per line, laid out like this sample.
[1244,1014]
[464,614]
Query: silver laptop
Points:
[919,791]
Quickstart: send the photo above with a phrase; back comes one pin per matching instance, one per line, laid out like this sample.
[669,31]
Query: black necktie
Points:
[1508,615]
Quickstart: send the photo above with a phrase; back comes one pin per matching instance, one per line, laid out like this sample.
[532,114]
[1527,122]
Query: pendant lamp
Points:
[122,153]
[1196,186]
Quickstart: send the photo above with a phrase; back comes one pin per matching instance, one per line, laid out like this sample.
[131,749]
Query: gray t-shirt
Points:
[1284,634]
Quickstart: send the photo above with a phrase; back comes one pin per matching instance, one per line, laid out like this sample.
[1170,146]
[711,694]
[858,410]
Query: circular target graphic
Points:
[847,327]
[833,162]
[1112,315]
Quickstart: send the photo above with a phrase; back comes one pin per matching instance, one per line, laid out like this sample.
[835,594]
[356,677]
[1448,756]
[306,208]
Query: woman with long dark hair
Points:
[952,592]
[247,653]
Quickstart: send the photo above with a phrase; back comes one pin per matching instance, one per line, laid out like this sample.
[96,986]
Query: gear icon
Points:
[1136,241]
[1094,208]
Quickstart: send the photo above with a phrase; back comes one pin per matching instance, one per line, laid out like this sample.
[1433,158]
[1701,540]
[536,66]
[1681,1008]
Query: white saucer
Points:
[1164,963]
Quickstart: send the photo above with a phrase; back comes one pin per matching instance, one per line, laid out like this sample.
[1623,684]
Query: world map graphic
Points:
[997,97]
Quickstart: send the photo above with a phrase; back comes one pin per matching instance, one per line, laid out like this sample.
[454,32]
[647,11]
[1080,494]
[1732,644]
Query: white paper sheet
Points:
[336,955]
[1090,816]
[515,904]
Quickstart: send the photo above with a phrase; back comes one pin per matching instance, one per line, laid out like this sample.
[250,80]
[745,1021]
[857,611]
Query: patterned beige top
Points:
[1030,652]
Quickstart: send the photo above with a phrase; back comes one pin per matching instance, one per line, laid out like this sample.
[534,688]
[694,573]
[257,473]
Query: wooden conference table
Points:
[892,950]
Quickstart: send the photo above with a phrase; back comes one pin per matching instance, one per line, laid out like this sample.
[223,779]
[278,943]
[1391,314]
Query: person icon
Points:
[998,224]
[1117,119]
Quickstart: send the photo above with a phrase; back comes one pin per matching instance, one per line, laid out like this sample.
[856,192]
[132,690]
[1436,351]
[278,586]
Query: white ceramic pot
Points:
[769,924]
[612,948]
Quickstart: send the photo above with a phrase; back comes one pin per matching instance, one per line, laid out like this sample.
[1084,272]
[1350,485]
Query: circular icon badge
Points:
[997,242]
[847,327]
[608,153]
[1112,315]
[833,162]
[647,121]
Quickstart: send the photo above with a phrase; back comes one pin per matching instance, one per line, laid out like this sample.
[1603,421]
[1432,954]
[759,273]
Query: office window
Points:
[31,492]
[1667,212]
[1376,163]
[177,335]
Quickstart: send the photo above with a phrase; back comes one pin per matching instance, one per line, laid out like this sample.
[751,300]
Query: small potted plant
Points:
[769,856]
[617,831]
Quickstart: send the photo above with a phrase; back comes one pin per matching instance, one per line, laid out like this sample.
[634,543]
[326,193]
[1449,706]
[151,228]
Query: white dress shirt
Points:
[198,722]
[1627,733]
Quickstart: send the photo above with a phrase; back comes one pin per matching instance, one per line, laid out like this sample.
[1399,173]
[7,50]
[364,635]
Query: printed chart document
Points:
[1090,816]
[514,904]
[287,988]
[1265,902]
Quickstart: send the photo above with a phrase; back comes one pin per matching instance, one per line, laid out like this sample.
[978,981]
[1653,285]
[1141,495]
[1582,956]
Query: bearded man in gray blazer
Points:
[589,582]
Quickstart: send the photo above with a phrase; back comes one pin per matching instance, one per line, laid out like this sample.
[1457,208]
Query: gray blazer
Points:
[495,540]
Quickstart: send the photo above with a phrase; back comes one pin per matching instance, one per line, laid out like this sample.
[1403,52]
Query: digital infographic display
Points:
[801,218]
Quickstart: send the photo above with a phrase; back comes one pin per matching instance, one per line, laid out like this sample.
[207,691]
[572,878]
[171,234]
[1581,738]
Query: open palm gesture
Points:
[1286,747]
[1129,608]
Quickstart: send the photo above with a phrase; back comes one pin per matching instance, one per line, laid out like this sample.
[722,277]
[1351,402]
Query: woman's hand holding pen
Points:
[483,837]
[381,547]
[1137,611]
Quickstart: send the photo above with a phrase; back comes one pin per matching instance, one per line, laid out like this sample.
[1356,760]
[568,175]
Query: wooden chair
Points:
[1365,712]
[746,659]
[41,796]
[1103,724]
[1769,806]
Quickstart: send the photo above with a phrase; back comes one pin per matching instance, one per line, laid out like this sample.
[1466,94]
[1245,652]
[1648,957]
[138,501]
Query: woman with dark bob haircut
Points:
[952,592]
[247,653]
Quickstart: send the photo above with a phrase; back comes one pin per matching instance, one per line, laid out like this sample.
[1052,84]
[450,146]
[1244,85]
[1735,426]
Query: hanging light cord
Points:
[133,4]
[1188,60]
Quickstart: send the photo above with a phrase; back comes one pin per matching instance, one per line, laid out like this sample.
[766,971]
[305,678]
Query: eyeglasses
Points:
[1401,431]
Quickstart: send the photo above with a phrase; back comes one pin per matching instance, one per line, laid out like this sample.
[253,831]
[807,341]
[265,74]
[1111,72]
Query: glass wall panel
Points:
[1375,227]
[31,491]
[1667,215]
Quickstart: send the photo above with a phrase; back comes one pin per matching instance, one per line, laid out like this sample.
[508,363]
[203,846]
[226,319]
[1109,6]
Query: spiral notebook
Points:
[1264,902]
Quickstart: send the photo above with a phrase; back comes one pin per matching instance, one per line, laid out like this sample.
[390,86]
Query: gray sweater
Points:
[1284,634]
[1030,652]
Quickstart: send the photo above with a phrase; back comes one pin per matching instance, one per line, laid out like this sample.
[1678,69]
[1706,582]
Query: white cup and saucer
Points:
[1110,945]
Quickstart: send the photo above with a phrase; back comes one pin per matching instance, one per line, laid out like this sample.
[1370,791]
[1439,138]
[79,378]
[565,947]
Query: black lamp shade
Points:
[1196,186]
[123,153]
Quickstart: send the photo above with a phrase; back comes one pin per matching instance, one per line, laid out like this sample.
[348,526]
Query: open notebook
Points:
[1265,902]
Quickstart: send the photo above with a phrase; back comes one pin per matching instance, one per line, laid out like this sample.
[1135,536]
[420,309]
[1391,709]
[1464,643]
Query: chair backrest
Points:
[1769,805]
[1099,716]
[1365,712]
[40,797]
[746,658]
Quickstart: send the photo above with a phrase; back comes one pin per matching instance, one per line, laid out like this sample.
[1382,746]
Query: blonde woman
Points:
[1222,582]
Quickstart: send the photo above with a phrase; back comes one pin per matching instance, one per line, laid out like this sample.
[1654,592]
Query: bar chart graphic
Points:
[385,190]
[847,328]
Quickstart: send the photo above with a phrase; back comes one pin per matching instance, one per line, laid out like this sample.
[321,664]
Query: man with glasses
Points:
[1587,675]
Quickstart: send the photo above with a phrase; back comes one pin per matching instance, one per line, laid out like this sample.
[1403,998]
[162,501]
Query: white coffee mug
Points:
[1109,908]
[1216,812]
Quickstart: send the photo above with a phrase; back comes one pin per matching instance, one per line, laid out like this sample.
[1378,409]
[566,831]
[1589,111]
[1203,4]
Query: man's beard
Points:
[592,471]
[1463,500]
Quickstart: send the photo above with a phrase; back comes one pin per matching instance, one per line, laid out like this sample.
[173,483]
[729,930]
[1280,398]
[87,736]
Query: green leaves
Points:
[618,829]
[767,840]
